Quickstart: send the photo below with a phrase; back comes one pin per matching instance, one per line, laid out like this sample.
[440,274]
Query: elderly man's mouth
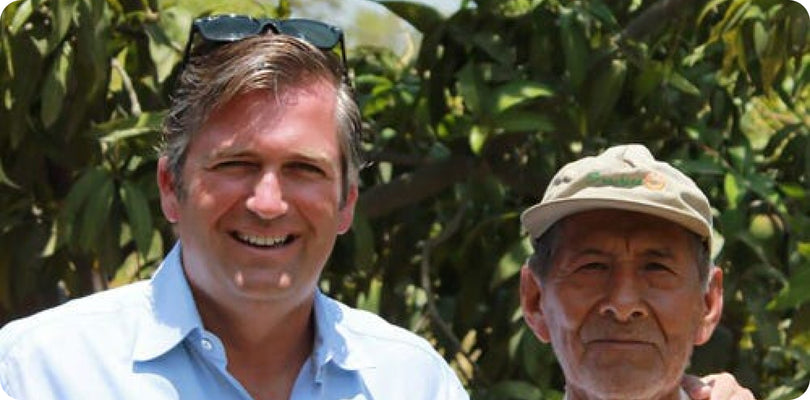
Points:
[620,344]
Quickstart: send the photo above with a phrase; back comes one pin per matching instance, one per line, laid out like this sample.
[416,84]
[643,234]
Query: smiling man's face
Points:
[622,304]
[261,206]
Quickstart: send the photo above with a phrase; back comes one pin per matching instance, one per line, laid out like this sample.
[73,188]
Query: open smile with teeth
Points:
[263,241]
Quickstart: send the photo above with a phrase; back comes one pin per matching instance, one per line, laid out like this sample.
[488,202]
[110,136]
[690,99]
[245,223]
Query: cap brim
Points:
[538,218]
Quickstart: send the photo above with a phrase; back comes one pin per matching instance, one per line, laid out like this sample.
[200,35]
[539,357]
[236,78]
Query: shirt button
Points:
[206,344]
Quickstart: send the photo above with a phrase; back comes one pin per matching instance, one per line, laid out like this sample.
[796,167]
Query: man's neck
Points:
[266,344]
[574,394]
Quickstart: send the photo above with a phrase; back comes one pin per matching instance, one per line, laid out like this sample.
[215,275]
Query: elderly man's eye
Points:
[657,267]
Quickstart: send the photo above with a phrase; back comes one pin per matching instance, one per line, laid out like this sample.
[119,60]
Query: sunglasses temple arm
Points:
[187,51]
[345,63]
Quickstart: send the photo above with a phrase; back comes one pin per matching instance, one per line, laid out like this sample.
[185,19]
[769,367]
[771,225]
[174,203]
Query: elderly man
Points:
[258,176]
[621,282]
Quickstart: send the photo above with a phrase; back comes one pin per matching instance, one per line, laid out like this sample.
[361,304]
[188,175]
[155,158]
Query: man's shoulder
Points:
[375,334]
[92,315]
[402,361]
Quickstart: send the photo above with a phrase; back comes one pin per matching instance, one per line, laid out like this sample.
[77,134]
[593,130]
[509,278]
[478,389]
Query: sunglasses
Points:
[229,28]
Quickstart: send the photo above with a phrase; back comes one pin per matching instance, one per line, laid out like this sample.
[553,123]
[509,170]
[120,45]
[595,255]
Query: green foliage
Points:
[84,87]
[510,91]
[463,136]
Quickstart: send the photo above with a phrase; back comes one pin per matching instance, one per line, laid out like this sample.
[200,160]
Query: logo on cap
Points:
[627,181]
[650,180]
[655,181]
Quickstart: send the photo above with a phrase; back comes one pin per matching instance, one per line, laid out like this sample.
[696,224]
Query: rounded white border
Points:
[4,4]
[805,4]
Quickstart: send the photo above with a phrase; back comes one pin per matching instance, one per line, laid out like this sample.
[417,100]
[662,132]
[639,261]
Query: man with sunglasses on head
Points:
[258,175]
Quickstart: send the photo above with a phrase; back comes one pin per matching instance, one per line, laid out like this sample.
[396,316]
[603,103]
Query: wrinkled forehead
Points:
[602,225]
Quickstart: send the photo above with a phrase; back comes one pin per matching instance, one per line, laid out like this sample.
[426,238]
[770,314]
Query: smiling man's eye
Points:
[307,167]
[593,266]
[232,164]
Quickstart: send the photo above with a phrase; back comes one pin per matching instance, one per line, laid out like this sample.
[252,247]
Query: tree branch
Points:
[411,188]
[427,286]
[410,160]
[651,19]
[133,96]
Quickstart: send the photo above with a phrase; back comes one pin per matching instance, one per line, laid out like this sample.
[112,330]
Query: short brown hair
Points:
[266,62]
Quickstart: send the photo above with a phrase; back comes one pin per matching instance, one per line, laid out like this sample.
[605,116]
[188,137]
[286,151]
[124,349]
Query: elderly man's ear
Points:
[713,301]
[530,295]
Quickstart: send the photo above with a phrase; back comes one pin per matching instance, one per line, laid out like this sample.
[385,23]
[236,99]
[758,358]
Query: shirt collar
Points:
[173,315]
[334,341]
[172,312]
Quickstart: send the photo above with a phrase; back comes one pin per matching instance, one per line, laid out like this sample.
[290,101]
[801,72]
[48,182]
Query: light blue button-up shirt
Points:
[146,341]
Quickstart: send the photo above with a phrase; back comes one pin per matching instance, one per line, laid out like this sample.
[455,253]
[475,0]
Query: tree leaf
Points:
[523,121]
[794,191]
[703,166]
[138,214]
[87,185]
[23,60]
[22,11]
[478,137]
[603,13]
[363,235]
[469,85]
[370,300]
[604,89]
[62,18]
[575,47]
[733,191]
[761,38]
[95,214]
[167,39]
[709,7]
[511,262]
[164,55]
[4,179]
[679,82]
[650,78]
[55,86]
[518,92]
[120,129]
[421,16]
[91,67]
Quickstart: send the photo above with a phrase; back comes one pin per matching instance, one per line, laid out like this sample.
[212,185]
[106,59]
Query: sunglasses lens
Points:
[221,29]
[229,28]
[323,36]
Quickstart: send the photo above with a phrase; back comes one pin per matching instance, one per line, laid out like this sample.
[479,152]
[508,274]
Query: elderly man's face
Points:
[622,304]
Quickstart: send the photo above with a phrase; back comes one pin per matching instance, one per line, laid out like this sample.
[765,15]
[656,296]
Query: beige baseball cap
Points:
[625,177]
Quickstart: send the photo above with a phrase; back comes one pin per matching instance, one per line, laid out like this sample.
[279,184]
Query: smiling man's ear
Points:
[531,293]
[168,197]
[713,300]
[346,213]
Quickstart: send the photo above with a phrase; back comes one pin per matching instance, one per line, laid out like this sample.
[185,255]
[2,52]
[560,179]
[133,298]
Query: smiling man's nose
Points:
[267,200]
[624,300]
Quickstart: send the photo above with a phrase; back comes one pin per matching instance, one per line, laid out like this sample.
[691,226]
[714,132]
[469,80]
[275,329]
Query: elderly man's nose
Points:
[624,301]
[267,199]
